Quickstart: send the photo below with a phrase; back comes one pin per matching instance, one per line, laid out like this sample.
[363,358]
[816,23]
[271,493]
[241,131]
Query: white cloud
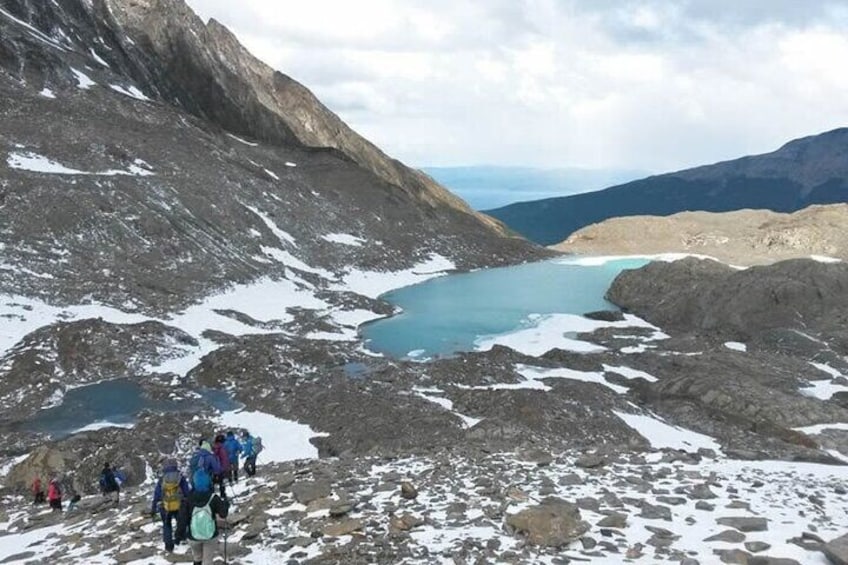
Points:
[644,84]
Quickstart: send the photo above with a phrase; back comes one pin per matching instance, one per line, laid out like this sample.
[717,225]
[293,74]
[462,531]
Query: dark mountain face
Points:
[148,158]
[812,170]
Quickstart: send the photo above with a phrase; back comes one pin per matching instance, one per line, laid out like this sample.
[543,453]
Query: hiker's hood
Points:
[205,445]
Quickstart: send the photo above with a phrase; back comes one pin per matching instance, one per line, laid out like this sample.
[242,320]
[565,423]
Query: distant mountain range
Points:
[810,170]
[492,186]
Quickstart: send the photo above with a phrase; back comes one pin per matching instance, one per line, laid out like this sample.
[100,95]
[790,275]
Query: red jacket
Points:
[53,491]
[36,486]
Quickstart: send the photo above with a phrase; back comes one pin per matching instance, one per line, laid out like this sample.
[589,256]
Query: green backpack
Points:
[202,522]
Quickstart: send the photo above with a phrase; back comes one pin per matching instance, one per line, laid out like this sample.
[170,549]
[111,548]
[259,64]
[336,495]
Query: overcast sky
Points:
[646,84]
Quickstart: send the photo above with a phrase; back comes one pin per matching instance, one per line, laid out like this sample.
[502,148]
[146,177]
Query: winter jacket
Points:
[36,486]
[247,447]
[108,481]
[233,448]
[223,459]
[53,491]
[206,460]
[219,506]
[157,493]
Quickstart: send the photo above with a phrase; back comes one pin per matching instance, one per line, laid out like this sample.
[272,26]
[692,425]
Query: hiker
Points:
[203,466]
[223,460]
[198,523]
[252,446]
[171,490]
[54,495]
[233,448]
[72,505]
[37,491]
[109,484]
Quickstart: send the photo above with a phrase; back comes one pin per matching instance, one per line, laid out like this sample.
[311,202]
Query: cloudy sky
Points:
[642,84]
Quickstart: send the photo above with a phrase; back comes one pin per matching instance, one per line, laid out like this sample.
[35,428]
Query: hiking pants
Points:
[168,528]
[203,552]
[234,471]
[250,466]
[56,504]
[39,498]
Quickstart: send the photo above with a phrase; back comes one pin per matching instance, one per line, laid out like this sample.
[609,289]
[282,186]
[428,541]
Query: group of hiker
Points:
[193,503]
[110,486]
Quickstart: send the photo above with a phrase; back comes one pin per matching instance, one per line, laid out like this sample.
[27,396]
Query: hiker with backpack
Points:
[37,492]
[252,448]
[224,461]
[198,523]
[109,485]
[54,495]
[203,467]
[171,490]
[233,448]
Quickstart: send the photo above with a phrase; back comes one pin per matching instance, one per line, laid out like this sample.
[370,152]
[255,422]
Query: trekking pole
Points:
[226,535]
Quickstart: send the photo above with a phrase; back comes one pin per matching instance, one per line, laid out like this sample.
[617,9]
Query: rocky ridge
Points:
[742,237]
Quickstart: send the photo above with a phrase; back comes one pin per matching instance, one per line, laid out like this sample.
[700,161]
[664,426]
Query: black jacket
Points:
[219,506]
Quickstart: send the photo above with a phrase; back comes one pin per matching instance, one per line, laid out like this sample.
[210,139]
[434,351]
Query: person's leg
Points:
[209,550]
[235,470]
[196,551]
[167,530]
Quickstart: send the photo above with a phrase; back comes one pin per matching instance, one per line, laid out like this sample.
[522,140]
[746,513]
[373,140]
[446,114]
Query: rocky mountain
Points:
[189,243]
[742,237]
[810,170]
[146,153]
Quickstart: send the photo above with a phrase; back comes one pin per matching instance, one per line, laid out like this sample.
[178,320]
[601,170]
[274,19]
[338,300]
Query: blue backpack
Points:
[201,480]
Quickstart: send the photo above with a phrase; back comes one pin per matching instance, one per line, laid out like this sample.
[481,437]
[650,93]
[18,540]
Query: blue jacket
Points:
[157,494]
[206,460]
[233,447]
[247,447]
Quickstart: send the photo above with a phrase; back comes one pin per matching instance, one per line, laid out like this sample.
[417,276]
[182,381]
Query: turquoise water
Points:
[447,315]
[117,401]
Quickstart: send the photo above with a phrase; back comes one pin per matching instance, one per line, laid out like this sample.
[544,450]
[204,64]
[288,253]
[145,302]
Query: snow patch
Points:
[819,428]
[661,435]
[629,373]
[271,174]
[97,57]
[736,346]
[283,440]
[541,333]
[244,141]
[33,162]
[374,283]
[47,93]
[130,91]
[83,80]
[290,164]
[344,239]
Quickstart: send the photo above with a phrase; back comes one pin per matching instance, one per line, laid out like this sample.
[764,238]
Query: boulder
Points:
[553,523]
[745,524]
[836,550]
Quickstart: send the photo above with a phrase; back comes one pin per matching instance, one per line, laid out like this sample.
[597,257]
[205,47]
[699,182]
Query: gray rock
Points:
[757,546]
[729,536]
[836,550]
[553,523]
[655,512]
[745,524]
[613,520]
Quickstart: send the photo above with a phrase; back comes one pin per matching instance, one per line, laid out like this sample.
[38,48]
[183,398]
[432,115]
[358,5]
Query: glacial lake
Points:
[116,402]
[450,314]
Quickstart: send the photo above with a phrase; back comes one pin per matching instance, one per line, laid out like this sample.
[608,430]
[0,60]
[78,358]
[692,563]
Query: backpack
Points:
[172,495]
[257,445]
[201,480]
[202,523]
